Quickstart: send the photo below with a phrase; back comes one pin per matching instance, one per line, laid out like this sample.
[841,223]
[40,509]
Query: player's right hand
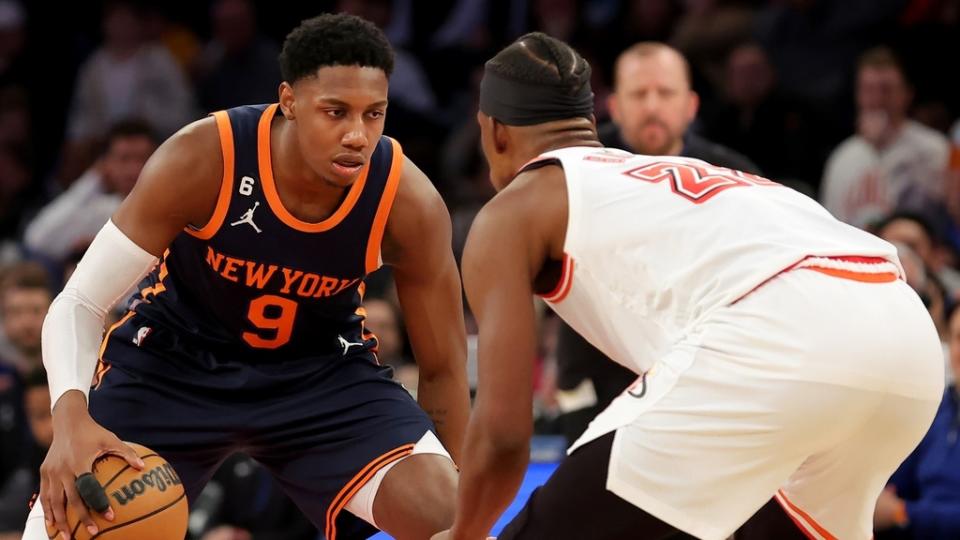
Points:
[77,442]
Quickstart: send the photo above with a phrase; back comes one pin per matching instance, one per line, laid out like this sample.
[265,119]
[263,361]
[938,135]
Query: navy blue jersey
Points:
[256,280]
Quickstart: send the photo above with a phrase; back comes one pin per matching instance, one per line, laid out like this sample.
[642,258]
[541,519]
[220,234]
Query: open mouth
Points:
[348,165]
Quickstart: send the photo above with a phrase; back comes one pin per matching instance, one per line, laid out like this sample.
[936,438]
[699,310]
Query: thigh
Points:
[712,448]
[327,438]
[834,492]
[575,503]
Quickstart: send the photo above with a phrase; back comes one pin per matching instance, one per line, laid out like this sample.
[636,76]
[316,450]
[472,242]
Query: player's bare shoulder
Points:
[418,213]
[535,202]
[178,187]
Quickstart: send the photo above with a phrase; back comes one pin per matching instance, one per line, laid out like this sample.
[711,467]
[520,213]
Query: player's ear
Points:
[501,135]
[287,101]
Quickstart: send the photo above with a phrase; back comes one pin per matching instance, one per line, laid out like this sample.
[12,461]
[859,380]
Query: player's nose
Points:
[355,139]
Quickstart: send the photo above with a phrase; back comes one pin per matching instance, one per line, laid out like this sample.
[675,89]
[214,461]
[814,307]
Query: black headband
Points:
[517,103]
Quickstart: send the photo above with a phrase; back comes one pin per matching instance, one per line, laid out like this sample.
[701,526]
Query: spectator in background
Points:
[915,231]
[952,186]
[922,500]
[74,218]
[755,118]
[652,107]
[127,77]
[892,162]
[931,292]
[239,65]
[814,43]
[25,296]
[22,483]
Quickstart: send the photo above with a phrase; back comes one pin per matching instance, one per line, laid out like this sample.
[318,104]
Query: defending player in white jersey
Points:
[785,369]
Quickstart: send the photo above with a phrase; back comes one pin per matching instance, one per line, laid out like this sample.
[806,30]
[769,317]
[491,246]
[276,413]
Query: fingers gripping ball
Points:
[149,504]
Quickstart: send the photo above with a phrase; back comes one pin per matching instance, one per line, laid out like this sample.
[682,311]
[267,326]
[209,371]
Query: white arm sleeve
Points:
[73,328]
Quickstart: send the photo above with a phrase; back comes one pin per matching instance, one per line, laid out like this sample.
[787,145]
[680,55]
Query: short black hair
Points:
[334,40]
[130,127]
[537,58]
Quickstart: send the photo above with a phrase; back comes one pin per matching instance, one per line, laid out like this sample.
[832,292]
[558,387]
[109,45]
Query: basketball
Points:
[149,504]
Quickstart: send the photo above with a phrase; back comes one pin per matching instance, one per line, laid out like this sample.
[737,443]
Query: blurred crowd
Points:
[855,103]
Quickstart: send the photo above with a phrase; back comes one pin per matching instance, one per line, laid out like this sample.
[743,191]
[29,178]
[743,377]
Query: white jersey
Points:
[655,244]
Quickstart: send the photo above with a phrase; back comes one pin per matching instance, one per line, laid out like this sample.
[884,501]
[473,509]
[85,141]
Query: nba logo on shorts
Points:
[142,334]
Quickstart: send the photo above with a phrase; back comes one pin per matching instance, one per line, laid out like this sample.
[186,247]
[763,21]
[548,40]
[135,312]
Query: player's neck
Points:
[557,135]
[302,191]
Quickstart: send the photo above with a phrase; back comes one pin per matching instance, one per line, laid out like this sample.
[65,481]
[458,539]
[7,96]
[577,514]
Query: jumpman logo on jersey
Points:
[247,218]
[347,344]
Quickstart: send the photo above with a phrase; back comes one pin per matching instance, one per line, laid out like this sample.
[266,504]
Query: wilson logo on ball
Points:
[158,478]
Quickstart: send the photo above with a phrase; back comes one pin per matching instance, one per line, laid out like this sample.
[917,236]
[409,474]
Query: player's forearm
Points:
[489,479]
[73,327]
[445,397]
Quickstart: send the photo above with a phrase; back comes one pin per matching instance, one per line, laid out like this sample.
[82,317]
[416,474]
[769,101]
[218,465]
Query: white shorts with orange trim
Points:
[812,389]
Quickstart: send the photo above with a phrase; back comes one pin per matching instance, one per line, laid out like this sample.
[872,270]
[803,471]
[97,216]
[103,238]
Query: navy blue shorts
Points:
[323,426]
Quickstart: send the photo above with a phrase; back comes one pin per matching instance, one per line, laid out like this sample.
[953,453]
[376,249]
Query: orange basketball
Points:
[149,504]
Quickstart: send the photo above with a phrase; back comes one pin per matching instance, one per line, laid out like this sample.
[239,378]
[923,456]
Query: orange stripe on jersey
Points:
[357,482]
[270,186]
[799,516]
[364,333]
[884,277]
[102,366]
[159,287]
[564,284]
[383,210]
[226,184]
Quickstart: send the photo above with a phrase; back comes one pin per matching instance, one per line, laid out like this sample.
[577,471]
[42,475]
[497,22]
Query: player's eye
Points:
[376,115]
[336,113]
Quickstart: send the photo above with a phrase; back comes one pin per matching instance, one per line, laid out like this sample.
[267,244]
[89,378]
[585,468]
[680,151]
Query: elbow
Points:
[452,367]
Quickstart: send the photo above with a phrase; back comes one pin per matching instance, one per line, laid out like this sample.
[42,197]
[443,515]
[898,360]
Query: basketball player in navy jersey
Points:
[248,333]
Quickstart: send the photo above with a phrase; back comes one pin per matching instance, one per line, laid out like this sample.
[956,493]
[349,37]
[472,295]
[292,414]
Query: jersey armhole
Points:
[564,283]
[225,132]
[373,259]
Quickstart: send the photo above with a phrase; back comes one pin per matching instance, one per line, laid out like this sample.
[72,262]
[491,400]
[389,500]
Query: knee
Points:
[418,498]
